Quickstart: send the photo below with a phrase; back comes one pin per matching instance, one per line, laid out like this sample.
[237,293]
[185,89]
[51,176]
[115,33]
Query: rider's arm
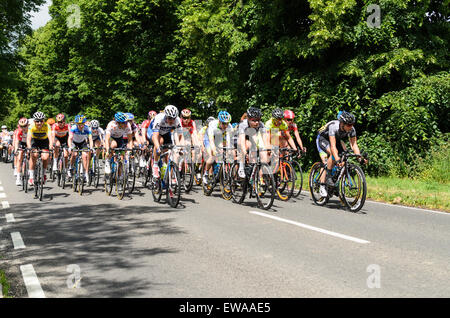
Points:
[29,139]
[70,139]
[91,142]
[130,141]
[299,140]
[290,140]
[107,138]
[354,145]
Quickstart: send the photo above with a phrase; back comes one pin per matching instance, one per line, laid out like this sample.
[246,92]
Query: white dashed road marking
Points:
[32,284]
[313,228]
[17,240]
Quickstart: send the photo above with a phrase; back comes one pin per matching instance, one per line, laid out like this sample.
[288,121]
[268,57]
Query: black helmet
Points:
[254,112]
[347,118]
[277,113]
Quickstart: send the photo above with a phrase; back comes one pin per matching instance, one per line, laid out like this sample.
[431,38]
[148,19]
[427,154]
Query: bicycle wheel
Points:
[173,185]
[121,179]
[75,176]
[298,178]
[12,159]
[131,176]
[36,179]
[41,181]
[286,181]
[156,189]
[225,181]
[314,183]
[187,175]
[96,172]
[264,185]
[24,170]
[209,187]
[238,185]
[354,188]
[198,173]
[81,175]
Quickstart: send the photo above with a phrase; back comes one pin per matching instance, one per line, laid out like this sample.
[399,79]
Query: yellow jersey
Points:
[42,133]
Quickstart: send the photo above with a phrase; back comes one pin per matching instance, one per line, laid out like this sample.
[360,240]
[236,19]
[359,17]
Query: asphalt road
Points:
[99,246]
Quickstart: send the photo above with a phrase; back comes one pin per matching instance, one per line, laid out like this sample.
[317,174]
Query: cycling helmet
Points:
[171,111]
[120,117]
[4,127]
[289,114]
[277,113]
[254,112]
[95,124]
[186,113]
[347,118]
[224,116]
[80,119]
[23,121]
[152,114]
[60,117]
[50,121]
[130,116]
[38,116]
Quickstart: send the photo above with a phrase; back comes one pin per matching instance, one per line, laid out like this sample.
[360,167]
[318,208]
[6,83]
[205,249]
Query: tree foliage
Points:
[315,57]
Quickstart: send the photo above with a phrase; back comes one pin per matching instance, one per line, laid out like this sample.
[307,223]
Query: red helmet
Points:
[152,114]
[289,114]
[186,113]
[23,121]
[60,117]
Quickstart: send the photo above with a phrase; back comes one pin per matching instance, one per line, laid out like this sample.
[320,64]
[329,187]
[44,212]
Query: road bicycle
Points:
[79,175]
[258,182]
[118,175]
[39,173]
[169,180]
[349,182]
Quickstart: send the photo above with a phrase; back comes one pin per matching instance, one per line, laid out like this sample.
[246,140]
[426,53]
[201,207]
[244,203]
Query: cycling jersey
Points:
[160,124]
[244,128]
[190,126]
[80,136]
[332,129]
[21,135]
[134,128]
[218,134]
[60,132]
[145,123]
[115,131]
[98,134]
[292,126]
[40,134]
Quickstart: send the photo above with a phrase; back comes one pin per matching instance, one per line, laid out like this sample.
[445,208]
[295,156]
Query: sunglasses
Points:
[254,119]
[38,121]
[185,118]
[289,120]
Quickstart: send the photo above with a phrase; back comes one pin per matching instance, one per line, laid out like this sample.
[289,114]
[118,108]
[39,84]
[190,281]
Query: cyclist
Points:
[77,139]
[144,125]
[60,133]
[330,144]
[189,126]
[252,134]
[4,136]
[137,141]
[98,136]
[289,118]
[159,132]
[279,130]
[20,141]
[114,133]
[39,137]
[218,134]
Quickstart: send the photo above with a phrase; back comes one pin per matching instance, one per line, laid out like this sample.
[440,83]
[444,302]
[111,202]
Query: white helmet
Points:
[171,111]
[4,127]
[95,124]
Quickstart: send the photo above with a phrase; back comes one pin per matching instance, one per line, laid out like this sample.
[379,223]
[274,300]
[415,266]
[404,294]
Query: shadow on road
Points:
[104,237]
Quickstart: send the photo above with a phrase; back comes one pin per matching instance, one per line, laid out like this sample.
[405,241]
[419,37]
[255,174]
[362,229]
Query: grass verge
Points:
[415,193]
[4,284]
